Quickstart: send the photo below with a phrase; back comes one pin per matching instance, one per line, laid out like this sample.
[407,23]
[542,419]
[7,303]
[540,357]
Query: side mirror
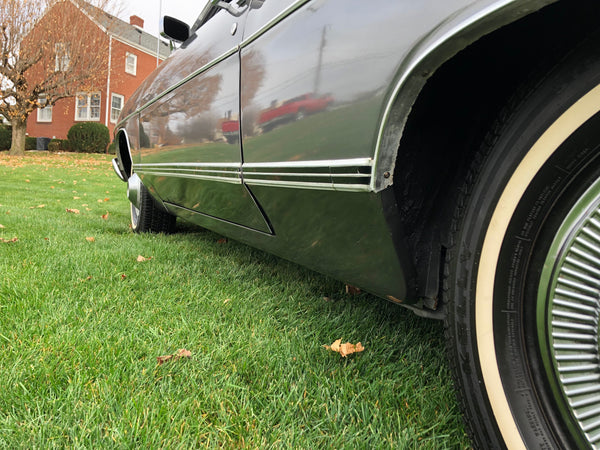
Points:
[175,29]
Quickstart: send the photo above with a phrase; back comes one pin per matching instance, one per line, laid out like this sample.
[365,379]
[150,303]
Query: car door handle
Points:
[232,9]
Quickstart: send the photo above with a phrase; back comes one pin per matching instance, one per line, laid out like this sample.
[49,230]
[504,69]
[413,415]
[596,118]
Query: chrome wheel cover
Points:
[568,314]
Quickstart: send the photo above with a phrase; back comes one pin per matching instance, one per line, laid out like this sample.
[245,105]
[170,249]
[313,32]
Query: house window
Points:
[131,63]
[87,106]
[62,57]
[44,114]
[116,103]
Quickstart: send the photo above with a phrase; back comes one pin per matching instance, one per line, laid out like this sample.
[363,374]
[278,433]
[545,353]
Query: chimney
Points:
[136,21]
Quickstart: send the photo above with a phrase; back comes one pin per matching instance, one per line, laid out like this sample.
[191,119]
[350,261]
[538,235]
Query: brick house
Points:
[130,54]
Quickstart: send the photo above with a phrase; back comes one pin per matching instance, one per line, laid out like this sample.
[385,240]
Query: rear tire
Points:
[150,217]
[523,290]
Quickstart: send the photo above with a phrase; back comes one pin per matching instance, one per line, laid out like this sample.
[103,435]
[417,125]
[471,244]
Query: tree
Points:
[50,49]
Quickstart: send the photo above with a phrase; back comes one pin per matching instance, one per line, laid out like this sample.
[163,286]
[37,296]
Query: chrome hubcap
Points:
[568,316]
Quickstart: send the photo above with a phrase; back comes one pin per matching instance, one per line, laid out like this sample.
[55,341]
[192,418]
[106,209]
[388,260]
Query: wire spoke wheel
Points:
[568,310]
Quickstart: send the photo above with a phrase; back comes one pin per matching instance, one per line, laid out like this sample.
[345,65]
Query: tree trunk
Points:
[17,147]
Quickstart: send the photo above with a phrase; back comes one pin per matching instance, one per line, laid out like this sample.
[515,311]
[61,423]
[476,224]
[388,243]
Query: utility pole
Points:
[317,85]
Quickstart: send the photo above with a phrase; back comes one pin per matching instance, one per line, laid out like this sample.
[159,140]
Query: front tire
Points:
[524,291]
[150,217]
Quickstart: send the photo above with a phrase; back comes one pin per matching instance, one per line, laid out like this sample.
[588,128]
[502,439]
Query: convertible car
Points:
[443,155]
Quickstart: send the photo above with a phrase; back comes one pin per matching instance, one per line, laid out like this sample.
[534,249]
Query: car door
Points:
[189,131]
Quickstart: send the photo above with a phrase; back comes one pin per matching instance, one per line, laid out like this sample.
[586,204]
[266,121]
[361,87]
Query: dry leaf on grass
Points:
[222,241]
[1,226]
[345,349]
[181,353]
[74,211]
[90,239]
[140,258]
[8,241]
[352,290]
[105,216]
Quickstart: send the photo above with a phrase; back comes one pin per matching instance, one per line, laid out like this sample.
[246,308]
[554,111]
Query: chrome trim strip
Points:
[282,15]
[285,174]
[231,180]
[310,185]
[236,166]
[318,163]
[237,173]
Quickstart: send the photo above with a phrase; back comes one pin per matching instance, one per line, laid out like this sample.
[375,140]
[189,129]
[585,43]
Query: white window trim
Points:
[111,105]
[42,119]
[48,109]
[88,117]
[134,70]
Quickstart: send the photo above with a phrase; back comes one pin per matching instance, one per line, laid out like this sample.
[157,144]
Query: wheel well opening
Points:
[124,152]
[455,111]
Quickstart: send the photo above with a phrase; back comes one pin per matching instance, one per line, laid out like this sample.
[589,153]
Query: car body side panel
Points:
[326,87]
[186,156]
[357,247]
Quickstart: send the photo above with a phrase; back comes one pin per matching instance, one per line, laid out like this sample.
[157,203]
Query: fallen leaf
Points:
[27,181]
[41,206]
[76,198]
[90,239]
[74,211]
[140,258]
[345,349]
[227,300]
[222,241]
[106,199]
[181,353]
[105,216]
[1,226]
[8,241]
[352,290]
[123,276]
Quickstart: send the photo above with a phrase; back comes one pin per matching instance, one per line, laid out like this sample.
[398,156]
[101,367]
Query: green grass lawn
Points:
[82,323]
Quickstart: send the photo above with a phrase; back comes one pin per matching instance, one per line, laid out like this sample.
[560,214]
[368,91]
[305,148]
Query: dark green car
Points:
[443,155]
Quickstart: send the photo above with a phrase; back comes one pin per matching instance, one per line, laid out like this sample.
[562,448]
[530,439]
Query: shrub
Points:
[5,137]
[89,137]
[54,146]
[112,148]
[30,143]
[64,145]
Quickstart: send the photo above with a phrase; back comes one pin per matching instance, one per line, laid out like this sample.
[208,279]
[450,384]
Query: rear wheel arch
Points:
[453,112]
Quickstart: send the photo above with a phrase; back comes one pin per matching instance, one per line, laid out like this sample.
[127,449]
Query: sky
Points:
[186,10]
